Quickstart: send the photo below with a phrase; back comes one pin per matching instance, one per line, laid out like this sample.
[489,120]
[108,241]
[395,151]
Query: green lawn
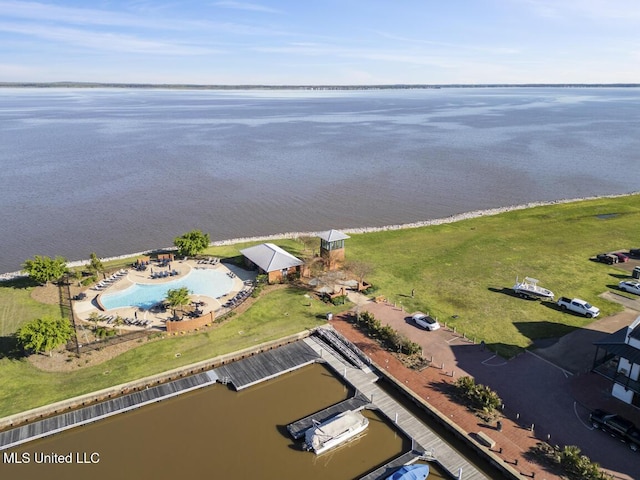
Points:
[278,314]
[461,273]
[17,306]
[459,270]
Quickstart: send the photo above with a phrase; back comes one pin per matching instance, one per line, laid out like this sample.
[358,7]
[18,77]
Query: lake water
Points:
[117,171]
[217,433]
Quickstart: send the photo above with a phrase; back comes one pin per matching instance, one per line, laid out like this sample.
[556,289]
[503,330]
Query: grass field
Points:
[461,273]
[276,315]
[460,270]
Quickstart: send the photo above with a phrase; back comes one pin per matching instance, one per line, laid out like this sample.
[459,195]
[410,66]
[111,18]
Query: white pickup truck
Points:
[578,306]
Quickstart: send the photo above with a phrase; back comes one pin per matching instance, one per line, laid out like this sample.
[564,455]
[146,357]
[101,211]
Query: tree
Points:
[44,334]
[192,243]
[95,264]
[45,269]
[359,269]
[308,243]
[178,297]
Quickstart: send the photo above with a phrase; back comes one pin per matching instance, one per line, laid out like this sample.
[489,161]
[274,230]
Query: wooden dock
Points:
[298,428]
[82,416]
[265,365]
[421,435]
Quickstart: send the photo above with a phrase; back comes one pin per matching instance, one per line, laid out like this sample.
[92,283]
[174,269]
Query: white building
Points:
[621,362]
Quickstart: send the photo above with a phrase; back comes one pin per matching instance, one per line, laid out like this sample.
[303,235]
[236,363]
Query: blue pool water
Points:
[212,283]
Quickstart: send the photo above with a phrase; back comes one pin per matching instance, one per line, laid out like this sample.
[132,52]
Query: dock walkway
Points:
[265,365]
[91,413]
[298,428]
[421,435]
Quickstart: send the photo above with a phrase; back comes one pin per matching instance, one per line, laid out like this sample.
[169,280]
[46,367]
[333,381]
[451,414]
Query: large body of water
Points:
[117,171]
[217,433]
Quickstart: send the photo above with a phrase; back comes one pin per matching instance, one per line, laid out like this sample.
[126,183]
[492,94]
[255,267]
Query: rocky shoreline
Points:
[426,223]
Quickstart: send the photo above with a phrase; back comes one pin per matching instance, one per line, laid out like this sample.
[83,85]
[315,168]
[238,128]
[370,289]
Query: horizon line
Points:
[74,84]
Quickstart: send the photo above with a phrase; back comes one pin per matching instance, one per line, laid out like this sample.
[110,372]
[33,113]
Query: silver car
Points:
[630,286]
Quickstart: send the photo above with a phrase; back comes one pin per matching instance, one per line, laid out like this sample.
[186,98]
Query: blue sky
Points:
[321,42]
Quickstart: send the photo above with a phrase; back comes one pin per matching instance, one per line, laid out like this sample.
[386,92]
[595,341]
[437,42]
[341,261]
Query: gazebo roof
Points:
[332,235]
[270,257]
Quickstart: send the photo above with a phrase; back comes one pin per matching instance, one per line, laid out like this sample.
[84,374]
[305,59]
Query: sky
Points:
[332,42]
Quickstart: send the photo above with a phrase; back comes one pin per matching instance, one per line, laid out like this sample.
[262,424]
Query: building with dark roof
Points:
[618,359]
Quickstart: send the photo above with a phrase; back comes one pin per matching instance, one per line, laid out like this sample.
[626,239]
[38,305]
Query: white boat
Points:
[529,288]
[335,431]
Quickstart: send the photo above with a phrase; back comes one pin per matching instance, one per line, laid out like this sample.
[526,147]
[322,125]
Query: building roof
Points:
[270,257]
[332,236]
[616,344]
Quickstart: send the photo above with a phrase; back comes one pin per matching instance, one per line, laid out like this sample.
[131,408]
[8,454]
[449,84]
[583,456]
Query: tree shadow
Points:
[19,283]
[9,348]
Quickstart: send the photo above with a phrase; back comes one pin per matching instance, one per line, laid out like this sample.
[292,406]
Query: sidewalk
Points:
[536,393]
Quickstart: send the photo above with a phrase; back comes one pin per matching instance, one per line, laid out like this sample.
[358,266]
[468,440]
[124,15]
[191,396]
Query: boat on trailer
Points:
[410,472]
[335,431]
[529,288]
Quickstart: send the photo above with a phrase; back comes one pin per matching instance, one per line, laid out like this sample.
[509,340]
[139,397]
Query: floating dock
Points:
[357,402]
[423,438]
[265,365]
[92,413]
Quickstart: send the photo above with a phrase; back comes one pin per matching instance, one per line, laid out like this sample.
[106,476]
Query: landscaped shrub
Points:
[386,335]
[339,300]
[573,464]
[480,397]
[102,332]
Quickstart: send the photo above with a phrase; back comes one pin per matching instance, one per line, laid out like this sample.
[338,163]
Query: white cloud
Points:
[621,10]
[252,7]
[106,41]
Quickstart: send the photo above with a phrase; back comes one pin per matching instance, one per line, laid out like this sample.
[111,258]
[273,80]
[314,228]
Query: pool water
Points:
[212,283]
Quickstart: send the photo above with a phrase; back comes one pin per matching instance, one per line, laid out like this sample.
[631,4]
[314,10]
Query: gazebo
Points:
[332,248]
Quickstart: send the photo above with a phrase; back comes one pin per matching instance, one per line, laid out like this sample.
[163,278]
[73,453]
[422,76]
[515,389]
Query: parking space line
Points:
[567,373]
[575,410]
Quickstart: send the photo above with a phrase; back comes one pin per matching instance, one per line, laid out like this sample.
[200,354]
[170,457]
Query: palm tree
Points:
[178,297]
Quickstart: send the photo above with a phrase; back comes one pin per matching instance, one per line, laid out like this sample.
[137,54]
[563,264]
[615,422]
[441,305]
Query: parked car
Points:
[616,426]
[606,258]
[630,286]
[578,306]
[634,252]
[425,321]
[621,256]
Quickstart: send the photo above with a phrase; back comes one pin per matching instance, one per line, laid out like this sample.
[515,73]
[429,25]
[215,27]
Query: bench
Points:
[485,440]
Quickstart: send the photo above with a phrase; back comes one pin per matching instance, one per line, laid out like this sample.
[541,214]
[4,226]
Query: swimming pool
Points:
[212,283]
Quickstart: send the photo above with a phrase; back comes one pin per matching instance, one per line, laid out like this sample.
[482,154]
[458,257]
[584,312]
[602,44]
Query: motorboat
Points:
[335,431]
[410,472]
[529,288]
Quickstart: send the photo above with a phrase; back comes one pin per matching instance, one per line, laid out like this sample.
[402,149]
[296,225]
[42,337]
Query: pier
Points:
[423,438]
[265,365]
[269,364]
[92,413]
[298,428]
